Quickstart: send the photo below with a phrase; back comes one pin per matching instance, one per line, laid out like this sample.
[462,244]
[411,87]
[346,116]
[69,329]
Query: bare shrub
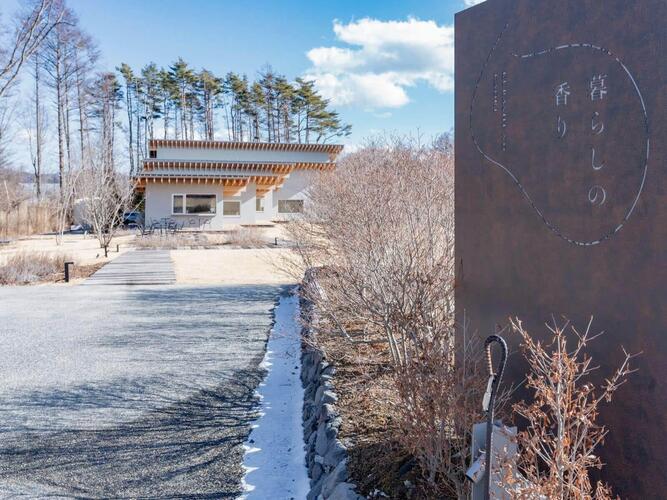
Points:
[246,237]
[168,241]
[106,195]
[30,267]
[558,447]
[382,224]
[440,396]
[380,232]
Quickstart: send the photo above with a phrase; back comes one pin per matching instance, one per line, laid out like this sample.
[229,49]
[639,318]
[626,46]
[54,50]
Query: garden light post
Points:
[489,402]
[67,265]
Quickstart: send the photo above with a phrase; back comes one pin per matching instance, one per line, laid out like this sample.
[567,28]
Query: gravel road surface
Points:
[128,392]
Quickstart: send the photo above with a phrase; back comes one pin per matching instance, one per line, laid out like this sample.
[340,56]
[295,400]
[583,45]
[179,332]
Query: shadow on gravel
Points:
[190,449]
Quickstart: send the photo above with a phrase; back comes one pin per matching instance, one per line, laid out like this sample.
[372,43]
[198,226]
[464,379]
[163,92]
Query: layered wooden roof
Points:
[252,166]
[232,183]
[331,149]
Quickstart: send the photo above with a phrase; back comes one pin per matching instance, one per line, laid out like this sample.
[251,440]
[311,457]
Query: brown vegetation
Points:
[558,446]
[23,268]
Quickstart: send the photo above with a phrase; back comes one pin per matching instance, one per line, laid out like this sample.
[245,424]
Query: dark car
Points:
[133,219]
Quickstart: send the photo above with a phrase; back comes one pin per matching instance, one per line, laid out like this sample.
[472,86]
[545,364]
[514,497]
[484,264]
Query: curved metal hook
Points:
[490,401]
[503,356]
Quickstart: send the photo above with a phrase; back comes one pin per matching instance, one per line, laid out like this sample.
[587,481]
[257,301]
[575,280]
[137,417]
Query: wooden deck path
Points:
[136,267]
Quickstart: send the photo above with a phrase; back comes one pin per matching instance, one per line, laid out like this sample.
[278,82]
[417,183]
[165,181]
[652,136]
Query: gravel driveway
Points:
[128,391]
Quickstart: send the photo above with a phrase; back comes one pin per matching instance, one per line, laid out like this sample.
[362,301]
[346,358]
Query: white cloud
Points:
[470,3]
[382,60]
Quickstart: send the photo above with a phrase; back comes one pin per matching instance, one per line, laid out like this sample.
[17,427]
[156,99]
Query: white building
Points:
[219,184]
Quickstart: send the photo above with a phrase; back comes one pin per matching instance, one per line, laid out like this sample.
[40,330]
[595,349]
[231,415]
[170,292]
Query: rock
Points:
[344,491]
[317,471]
[327,412]
[311,440]
[338,475]
[315,490]
[335,422]
[327,396]
[335,454]
[326,436]
[329,370]
[319,393]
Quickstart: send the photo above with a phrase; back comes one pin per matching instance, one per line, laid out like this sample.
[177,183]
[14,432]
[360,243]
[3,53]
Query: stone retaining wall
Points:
[326,454]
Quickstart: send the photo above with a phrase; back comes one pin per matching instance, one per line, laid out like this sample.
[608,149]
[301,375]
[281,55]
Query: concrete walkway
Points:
[128,391]
[139,267]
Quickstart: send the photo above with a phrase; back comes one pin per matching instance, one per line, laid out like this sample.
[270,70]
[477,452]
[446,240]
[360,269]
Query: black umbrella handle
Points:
[494,379]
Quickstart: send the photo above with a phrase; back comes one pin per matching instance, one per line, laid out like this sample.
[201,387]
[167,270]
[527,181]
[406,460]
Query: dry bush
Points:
[382,224]
[165,242]
[106,195]
[31,267]
[380,232]
[246,237]
[558,447]
[440,396]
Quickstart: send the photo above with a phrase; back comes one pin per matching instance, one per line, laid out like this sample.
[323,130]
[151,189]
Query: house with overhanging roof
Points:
[221,184]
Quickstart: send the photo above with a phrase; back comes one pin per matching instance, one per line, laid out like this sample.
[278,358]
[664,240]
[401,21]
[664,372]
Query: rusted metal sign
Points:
[561,193]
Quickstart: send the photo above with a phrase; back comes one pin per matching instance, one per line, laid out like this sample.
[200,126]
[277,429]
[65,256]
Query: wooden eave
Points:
[275,167]
[331,149]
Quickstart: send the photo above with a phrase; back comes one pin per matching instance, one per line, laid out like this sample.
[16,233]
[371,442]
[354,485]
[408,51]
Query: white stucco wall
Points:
[294,188]
[159,205]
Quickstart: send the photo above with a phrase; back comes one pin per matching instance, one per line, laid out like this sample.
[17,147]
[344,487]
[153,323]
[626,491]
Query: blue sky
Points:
[387,65]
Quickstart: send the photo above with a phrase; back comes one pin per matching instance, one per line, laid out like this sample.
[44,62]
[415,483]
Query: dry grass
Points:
[364,383]
[169,241]
[246,237]
[24,268]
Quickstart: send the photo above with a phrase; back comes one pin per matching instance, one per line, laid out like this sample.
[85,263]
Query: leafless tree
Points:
[58,63]
[32,25]
[382,225]
[64,203]
[105,196]
[35,122]
[559,445]
[379,230]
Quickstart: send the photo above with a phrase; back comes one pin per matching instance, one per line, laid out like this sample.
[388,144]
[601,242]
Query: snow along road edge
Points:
[274,460]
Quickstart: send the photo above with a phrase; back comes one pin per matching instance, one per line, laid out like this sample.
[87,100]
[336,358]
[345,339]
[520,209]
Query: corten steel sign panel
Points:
[561,194]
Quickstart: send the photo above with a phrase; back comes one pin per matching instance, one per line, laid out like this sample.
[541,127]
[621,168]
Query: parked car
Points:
[133,219]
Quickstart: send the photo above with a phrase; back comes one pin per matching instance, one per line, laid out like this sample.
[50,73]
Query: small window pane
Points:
[290,206]
[231,208]
[259,204]
[177,205]
[200,203]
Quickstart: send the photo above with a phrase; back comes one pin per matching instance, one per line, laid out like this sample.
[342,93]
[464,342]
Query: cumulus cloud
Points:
[380,60]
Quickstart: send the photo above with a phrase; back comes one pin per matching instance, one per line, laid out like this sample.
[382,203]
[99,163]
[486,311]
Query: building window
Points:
[178,204]
[200,203]
[193,204]
[290,206]
[152,153]
[259,204]
[231,208]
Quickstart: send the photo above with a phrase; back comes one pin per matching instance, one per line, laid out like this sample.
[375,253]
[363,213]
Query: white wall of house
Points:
[159,195]
[159,203]
[295,187]
[239,155]
[159,199]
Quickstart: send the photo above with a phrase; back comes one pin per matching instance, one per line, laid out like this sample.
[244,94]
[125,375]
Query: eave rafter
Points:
[274,167]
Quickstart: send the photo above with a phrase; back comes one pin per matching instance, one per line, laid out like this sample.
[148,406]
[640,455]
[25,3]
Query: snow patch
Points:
[274,460]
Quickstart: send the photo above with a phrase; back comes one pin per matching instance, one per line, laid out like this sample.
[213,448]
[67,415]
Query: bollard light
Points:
[67,264]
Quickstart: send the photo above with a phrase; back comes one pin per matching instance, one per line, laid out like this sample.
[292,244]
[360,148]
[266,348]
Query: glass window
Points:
[177,204]
[290,206]
[259,204]
[200,204]
[231,208]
